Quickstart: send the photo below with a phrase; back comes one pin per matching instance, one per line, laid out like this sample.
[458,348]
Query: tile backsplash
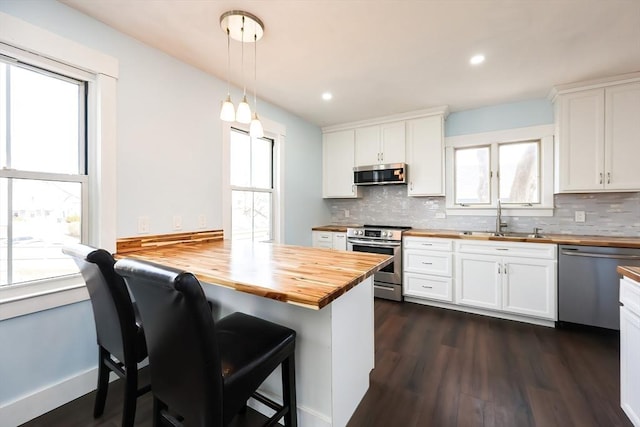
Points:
[607,214]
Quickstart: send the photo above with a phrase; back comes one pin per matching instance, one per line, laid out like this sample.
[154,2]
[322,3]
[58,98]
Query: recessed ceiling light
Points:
[327,96]
[477,59]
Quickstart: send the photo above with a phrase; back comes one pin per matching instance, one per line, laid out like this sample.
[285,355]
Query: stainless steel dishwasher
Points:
[588,284]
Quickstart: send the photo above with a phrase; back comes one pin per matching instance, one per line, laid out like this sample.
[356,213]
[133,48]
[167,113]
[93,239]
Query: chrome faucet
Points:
[500,225]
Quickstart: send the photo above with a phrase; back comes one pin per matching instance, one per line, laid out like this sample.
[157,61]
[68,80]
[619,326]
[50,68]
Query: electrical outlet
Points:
[346,213]
[580,216]
[441,215]
[202,221]
[143,224]
[177,222]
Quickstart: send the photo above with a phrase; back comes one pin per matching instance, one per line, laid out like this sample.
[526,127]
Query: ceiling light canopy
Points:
[477,59]
[327,96]
[245,28]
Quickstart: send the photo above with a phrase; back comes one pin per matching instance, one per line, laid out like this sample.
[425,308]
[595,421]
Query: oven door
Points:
[392,273]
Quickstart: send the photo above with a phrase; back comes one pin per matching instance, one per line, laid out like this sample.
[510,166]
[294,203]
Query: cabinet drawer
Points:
[322,236]
[528,250]
[428,262]
[423,286]
[428,243]
[630,294]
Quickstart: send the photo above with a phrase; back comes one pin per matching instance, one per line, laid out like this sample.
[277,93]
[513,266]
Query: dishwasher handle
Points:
[596,255]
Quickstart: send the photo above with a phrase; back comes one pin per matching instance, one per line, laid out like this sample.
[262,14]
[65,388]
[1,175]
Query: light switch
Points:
[580,216]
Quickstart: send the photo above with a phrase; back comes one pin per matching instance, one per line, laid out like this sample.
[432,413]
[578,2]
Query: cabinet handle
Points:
[499,271]
[382,157]
[608,177]
[427,263]
[353,189]
[427,287]
[427,244]
[505,269]
[502,249]
[600,177]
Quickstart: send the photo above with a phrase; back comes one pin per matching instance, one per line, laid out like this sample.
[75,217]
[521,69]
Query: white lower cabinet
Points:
[329,239]
[428,268]
[511,281]
[630,350]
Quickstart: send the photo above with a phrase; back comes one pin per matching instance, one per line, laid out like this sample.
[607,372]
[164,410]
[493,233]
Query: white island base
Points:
[334,350]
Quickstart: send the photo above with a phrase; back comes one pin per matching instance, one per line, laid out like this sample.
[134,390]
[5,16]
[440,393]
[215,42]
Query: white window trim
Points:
[278,133]
[37,46]
[544,133]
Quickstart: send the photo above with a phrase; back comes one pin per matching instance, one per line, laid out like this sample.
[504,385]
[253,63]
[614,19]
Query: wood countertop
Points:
[630,272]
[563,239]
[334,228]
[304,276]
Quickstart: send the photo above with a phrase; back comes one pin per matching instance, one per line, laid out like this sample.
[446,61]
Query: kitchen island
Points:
[326,296]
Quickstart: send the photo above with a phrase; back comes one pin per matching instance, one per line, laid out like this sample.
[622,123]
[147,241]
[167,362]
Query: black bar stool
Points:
[202,371]
[121,343]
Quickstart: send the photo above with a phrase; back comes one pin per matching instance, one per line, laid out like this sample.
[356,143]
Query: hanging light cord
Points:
[255,72]
[244,83]
[228,63]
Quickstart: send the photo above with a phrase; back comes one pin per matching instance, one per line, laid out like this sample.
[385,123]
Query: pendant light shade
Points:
[255,129]
[228,111]
[243,115]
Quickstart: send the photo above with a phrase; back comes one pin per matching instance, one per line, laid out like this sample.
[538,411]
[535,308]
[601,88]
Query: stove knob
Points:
[359,232]
[384,234]
[390,234]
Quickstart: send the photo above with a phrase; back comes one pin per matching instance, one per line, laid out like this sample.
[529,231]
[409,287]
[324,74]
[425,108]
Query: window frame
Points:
[40,48]
[543,134]
[277,133]
[253,189]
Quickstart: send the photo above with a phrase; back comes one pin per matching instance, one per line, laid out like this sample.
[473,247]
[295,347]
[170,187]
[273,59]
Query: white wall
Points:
[168,162]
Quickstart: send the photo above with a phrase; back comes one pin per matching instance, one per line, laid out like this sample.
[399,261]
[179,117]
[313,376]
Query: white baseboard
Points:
[306,417]
[42,401]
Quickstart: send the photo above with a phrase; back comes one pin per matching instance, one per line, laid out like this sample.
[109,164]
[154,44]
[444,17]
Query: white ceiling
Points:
[385,57]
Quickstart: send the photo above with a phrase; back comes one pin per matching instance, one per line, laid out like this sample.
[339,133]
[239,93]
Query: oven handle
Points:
[373,243]
[386,288]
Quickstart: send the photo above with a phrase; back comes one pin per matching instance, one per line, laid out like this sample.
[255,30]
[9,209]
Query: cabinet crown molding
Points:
[442,110]
[592,84]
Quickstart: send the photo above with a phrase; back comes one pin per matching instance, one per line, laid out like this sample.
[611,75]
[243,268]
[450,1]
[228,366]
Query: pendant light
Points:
[228,111]
[255,129]
[245,28]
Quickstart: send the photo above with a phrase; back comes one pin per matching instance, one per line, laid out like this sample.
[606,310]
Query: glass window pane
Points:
[261,217]
[472,175]
[240,167]
[519,172]
[241,215]
[45,216]
[261,163]
[45,114]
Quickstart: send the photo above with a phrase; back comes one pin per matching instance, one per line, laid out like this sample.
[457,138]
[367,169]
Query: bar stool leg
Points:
[289,390]
[103,383]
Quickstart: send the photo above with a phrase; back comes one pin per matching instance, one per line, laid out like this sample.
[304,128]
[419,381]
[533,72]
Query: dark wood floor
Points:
[442,368]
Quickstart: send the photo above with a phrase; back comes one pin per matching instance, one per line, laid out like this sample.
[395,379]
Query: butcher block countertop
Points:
[304,276]
[334,228]
[630,272]
[560,239]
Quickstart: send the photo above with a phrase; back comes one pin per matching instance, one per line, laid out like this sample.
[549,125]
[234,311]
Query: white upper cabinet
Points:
[338,151]
[425,156]
[380,144]
[598,133]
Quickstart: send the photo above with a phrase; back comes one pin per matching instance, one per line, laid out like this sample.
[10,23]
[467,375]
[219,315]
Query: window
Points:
[251,178]
[514,166]
[43,172]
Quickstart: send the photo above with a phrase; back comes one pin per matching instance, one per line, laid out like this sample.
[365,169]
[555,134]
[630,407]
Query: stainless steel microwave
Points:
[395,173]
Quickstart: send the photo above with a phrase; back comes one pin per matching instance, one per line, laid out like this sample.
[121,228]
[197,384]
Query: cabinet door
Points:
[622,137]
[339,241]
[337,165]
[581,140]
[425,156]
[529,287]
[368,146]
[630,364]
[393,143]
[478,281]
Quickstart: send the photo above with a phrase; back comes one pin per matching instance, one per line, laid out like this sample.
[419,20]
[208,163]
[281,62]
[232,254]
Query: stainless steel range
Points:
[381,239]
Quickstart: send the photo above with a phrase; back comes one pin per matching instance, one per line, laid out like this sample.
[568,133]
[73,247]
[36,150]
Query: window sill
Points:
[491,211]
[22,300]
